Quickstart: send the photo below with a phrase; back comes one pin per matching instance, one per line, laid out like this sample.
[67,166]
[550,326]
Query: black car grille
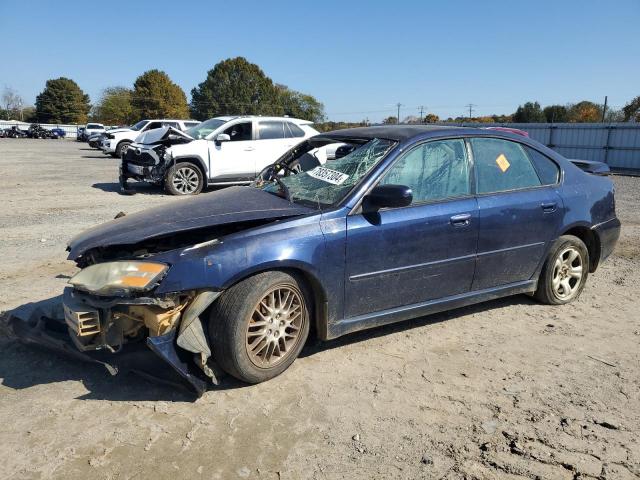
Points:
[137,157]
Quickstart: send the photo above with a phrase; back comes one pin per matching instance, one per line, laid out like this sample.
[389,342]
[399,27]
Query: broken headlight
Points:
[118,278]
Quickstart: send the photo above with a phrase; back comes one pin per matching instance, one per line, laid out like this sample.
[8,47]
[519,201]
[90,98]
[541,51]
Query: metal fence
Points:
[70,130]
[617,144]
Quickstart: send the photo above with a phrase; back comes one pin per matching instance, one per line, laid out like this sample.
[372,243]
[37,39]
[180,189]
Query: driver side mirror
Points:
[389,196]
[222,137]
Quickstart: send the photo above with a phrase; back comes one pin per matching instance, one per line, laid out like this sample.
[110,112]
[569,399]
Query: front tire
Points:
[120,148]
[184,179]
[564,273]
[259,326]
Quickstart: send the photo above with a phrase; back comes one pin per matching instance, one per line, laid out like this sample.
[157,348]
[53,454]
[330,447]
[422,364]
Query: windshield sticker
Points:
[503,163]
[327,175]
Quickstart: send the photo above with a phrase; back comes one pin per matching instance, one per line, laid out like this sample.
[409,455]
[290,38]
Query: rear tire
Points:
[564,273]
[259,326]
[184,179]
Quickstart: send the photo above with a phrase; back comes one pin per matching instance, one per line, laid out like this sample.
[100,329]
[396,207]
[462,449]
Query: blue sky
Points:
[359,58]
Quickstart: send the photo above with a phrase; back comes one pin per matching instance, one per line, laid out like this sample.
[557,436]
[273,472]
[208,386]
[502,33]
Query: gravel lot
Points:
[507,389]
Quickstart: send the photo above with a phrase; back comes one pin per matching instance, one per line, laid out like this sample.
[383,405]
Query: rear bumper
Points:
[608,233]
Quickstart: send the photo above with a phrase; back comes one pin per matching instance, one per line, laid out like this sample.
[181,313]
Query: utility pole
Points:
[470,107]
[398,117]
[421,110]
[604,109]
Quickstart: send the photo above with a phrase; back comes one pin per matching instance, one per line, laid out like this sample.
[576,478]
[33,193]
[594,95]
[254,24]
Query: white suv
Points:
[219,151]
[118,139]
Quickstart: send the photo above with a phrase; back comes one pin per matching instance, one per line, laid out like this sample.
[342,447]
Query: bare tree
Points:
[11,101]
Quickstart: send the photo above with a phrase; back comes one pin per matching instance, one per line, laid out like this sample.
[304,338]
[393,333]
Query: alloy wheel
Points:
[275,325]
[567,273]
[186,180]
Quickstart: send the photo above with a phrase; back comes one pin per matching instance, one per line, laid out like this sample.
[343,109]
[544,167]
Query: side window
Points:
[434,171]
[291,130]
[547,169]
[152,125]
[502,165]
[239,132]
[271,129]
[171,124]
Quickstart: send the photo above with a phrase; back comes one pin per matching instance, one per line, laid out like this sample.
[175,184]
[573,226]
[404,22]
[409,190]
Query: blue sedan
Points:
[412,220]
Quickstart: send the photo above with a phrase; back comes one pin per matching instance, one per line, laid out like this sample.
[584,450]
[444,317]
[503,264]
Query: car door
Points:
[234,160]
[519,214]
[272,142]
[410,255]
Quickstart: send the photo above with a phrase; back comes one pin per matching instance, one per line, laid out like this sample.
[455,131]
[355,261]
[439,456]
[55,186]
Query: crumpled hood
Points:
[159,134]
[230,205]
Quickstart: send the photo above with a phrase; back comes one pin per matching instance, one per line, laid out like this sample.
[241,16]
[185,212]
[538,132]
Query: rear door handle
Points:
[461,220]
[249,149]
[549,207]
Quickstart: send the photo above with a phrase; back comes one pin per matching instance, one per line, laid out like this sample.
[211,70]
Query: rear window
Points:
[547,169]
[502,165]
[269,130]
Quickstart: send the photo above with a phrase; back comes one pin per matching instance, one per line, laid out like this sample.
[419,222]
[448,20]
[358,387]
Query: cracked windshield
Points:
[329,184]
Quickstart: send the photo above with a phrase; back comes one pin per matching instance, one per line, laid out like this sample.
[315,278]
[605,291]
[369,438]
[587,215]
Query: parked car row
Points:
[34,131]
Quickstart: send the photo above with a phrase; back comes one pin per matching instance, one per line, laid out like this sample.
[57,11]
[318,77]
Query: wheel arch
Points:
[591,239]
[305,273]
[197,161]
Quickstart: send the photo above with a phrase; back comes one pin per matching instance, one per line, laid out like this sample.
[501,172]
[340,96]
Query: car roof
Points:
[297,121]
[398,133]
[404,133]
[169,120]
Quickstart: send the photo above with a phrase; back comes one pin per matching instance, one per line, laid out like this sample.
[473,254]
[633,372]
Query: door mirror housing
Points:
[222,137]
[389,196]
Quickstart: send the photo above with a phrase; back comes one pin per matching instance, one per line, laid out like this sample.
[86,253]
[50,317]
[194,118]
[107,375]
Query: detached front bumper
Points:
[87,334]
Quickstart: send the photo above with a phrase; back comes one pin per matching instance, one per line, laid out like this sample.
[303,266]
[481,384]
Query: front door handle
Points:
[249,149]
[461,220]
[549,207]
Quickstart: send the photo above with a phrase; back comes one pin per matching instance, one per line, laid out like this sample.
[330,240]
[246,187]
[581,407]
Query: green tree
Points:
[156,96]
[390,120]
[556,113]
[115,107]
[62,101]
[431,118]
[530,112]
[631,110]
[584,112]
[300,105]
[235,86]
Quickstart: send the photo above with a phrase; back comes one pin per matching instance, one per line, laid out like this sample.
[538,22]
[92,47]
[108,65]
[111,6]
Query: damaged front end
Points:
[111,331]
[149,158]
[146,281]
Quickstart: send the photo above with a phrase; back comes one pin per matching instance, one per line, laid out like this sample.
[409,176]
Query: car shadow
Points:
[133,188]
[23,366]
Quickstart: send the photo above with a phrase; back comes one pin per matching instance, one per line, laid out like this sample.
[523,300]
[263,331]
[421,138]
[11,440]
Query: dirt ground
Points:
[507,389]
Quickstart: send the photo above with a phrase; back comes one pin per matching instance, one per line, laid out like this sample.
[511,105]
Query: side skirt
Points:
[407,312]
